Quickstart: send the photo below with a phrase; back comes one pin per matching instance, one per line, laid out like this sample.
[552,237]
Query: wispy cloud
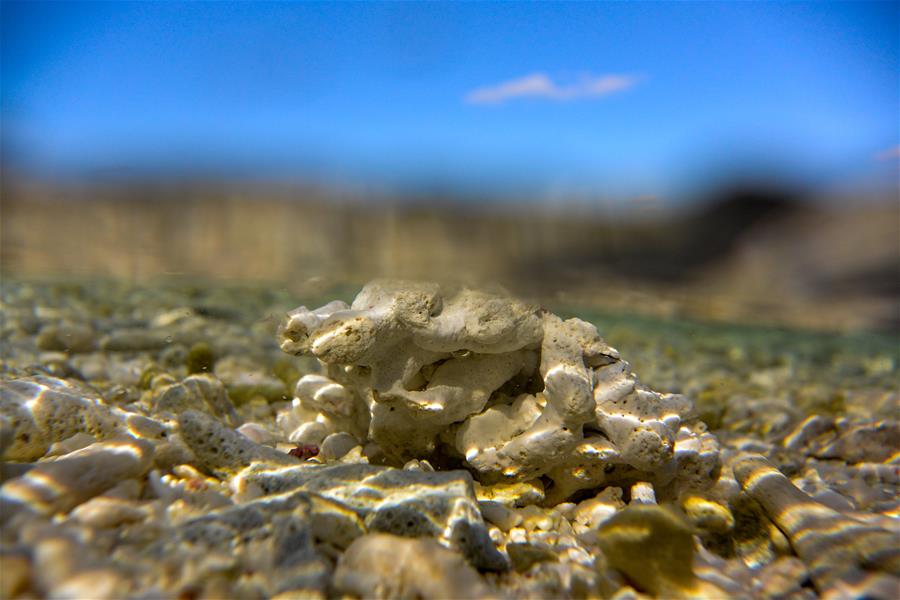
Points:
[888,154]
[539,85]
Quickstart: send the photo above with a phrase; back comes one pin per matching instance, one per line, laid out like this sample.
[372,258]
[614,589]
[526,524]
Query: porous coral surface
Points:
[509,390]
[433,442]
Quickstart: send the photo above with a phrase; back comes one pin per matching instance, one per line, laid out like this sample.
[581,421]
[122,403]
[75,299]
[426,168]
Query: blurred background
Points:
[733,161]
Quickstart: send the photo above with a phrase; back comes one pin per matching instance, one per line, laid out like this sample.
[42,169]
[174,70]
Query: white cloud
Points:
[539,85]
[888,154]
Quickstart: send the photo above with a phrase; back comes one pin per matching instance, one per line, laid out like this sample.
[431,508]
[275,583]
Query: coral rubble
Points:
[512,391]
[441,442]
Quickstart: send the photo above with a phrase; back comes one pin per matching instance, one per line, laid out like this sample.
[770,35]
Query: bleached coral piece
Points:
[221,450]
[201,392]
[513,390]
[60,485]
[846,557]
[43,410]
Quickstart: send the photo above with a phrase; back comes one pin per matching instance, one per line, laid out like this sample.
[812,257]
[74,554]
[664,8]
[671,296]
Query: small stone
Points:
[592,513]
[105,512]
[842,554]
[43,410]
[97,584]
[158,380]
[257,433]
[513,495]
[708,515]
[130,489]
[200,359]
[566,509]
[864,443]
[134,340]
[337,445]
[535,518]
[16,572]
[418,465]
[311,432]
[499,514]
[219,449]
[202,392]
[60,485]
[386,566]
[56,556]
[518,535]
[66,338]
[173,357]
[642,493]
[272,536]
[653,547]
[524,556]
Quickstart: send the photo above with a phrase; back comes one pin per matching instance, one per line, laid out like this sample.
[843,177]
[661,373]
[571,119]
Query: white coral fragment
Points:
[510,389]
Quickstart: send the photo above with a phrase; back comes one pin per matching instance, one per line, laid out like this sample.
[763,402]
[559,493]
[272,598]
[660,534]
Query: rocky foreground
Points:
[433,443]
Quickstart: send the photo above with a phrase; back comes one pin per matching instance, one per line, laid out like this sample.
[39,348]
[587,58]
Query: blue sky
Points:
[616,99]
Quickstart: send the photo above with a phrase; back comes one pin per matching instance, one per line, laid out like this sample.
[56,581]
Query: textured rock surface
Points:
[198,392]
[220,449]
[271,539]
[514,391]
[42,410]
[402,502]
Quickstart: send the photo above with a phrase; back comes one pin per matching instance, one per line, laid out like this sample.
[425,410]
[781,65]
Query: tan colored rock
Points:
[65,566]
[60,485]
[845,557]
[498,514]
[590,514]
[707,515]
[222,450]
[103,512]
[16,576]
[336,446]
[44,410]
[643,493]
[56,557]
[511,494]
[387,566]
[654,547]
[523,556]
[202,392]
[97,584]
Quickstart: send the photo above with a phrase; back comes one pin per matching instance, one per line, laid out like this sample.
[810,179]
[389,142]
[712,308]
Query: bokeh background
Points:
[733,161]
